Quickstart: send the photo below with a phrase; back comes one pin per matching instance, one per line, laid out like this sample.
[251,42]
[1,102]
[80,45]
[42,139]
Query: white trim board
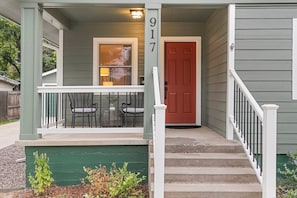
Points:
[294,60]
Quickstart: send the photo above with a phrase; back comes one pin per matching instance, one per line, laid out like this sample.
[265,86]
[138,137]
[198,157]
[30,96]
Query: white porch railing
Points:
[56,114]
[256,130]
[158,120]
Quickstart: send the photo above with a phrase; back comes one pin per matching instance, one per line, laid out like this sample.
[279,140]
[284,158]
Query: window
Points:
[115,61]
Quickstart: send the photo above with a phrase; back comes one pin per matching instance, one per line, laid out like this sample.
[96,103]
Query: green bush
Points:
[123,182]
[291,194]
[42,179]
[117,183]
[287,186]
[96,181]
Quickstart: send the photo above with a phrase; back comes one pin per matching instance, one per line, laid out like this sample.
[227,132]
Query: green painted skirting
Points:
[67,163]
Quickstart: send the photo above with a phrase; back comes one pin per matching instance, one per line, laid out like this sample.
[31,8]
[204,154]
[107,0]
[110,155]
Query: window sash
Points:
[133,42]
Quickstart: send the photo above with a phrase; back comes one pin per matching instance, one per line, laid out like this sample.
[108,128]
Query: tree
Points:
[10,37]
[10,47]
[49,59]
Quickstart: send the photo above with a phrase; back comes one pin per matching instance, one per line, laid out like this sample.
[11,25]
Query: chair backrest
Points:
[135,99]
[81,100]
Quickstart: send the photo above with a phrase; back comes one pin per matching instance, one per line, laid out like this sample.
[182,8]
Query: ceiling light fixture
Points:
[136,13]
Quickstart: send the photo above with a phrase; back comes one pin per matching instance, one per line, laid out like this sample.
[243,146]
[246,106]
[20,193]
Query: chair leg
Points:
[134,118]
[73,121]
[125,119]
[83,120]
[90,125]
[95,120]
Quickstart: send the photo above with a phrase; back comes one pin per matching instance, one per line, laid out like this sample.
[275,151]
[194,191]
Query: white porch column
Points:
[152,51]
[269,150]
[31,69]
[60,58]
[230,63]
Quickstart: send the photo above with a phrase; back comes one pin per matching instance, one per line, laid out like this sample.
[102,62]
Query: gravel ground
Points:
[12,174]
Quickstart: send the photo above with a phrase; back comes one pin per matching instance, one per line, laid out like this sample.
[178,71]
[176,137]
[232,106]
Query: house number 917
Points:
[153,22]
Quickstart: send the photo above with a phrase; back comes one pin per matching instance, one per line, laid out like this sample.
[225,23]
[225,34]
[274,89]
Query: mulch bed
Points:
[65,192]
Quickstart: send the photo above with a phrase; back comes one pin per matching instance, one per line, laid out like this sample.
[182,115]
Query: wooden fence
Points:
[9,105]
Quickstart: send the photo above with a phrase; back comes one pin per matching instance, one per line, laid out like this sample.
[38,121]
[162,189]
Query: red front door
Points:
[180,82]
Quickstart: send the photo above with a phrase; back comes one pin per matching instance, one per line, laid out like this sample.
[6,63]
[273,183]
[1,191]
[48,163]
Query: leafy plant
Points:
[291,194]
[97,182]
[49,58]
[288,185]
[117,183]
[42,179]
[10,55]
[10,34]
[123,183]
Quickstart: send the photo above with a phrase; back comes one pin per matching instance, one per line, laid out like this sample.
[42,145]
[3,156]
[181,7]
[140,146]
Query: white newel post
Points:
[159,165]
[269,150]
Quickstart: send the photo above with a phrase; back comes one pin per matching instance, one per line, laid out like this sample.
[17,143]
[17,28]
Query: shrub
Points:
[123,183]
[287,187]
[117,183]
[42,179]
[97,179]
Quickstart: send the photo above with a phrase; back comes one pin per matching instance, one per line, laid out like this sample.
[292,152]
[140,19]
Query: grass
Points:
[7,121]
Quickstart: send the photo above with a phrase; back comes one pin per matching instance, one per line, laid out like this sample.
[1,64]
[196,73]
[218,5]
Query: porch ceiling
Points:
[11,9]
[121,13]
[88,13]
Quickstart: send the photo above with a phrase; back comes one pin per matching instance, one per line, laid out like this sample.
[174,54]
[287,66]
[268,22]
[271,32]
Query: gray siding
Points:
[78,48]
[191,29]
[216,57]
[182,29]
[51,78]
[263,60]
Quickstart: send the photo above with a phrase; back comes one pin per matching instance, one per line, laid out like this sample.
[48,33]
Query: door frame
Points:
[197,40]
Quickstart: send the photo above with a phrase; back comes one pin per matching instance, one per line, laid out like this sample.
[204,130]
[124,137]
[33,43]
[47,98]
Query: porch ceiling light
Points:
[136,13]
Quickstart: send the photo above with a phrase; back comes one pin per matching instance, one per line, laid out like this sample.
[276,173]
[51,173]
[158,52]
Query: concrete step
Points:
[205,159]
[204,148]
[212,190]
[206,165]
[208,175]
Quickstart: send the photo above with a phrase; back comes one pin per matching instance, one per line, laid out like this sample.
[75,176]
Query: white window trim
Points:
[294,60]
[131,41]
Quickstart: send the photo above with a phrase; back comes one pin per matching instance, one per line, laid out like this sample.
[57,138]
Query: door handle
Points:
[165,89]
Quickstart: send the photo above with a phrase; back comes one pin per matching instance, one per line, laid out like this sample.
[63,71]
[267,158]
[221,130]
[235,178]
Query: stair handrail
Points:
[158,121]
[251,122]
[247,94]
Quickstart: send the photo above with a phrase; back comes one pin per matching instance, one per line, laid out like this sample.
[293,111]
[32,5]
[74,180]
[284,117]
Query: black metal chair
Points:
[82,105]
[132,108]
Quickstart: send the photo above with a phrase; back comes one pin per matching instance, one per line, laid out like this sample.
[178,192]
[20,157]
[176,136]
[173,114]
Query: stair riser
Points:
[169,178]
[203,149]
[207,169]
[206,162]
[213,195]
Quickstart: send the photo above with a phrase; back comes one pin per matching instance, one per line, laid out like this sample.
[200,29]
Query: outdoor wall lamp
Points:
[136,13]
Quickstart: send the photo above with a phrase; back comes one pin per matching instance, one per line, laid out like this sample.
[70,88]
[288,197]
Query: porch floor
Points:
[203,135]
[86,139]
